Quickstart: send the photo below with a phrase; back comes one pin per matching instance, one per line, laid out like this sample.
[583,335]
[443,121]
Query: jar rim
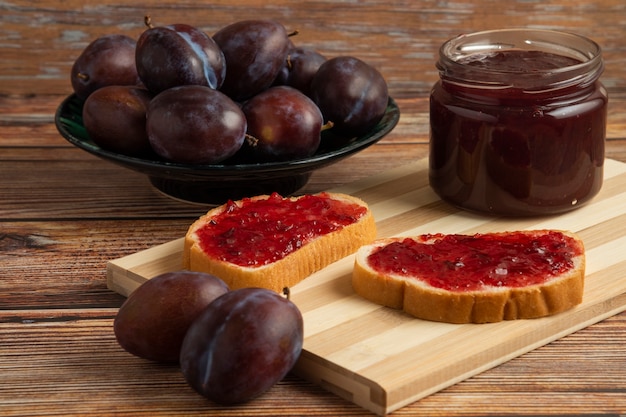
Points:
[567,44]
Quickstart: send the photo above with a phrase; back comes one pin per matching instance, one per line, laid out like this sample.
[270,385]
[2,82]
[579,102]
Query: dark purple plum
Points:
[284,124]
[350,93]
[194,124]
[178,54]
[301,65]
[108,60]
[255,51]
[115,118]
[154,319]
[242,344]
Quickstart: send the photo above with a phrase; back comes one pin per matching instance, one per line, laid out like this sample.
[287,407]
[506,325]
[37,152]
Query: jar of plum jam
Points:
[518,122]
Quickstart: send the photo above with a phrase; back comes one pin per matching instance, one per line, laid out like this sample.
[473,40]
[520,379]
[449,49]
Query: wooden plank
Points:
[400,38]
[124,275]
[382,359]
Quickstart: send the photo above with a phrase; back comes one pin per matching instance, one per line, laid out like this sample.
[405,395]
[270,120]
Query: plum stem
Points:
[287,292]
[327,125]
[251,140]
[147,20]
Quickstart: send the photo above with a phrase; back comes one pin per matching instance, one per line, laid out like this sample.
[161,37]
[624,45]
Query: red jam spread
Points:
[469,263]
[511,150]
[260,232]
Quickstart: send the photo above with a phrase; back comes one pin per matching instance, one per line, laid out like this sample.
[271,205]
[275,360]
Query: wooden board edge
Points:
[383,400]
[341,382]
[570,322]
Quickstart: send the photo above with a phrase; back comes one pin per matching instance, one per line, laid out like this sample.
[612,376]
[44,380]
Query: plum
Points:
[115,118]
[154,319]
[178,54]
[283,124]
[350,93]
[242,344]
[195,124]
[107,60]
[300,67]
[255,51]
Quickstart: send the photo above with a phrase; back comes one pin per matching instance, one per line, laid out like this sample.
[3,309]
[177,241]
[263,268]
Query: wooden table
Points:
[65,213]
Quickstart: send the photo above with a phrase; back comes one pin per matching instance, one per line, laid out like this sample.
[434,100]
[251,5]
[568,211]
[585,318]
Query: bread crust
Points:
[291,269]
[488,305]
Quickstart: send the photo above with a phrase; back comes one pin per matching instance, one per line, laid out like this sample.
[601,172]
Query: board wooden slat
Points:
[382,359]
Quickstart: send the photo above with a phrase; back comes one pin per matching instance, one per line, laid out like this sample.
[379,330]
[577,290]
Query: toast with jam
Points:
[273,242]
[478,278]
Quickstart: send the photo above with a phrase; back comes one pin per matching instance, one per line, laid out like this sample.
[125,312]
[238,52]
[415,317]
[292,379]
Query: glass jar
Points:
[518,122]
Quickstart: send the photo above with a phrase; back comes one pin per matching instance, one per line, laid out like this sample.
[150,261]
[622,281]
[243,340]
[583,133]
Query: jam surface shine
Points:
[511,151]
[264,231]
[513,61]
[468,263]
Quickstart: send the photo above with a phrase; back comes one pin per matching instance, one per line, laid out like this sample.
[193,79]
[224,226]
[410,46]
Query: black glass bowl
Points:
[215,184]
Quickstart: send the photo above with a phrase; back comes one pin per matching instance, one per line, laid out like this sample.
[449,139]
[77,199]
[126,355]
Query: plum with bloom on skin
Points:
[242,344]
[194,124]
[350,93]
[178,54]
[255,51]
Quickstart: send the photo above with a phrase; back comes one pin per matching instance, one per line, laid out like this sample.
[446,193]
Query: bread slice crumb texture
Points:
[474,278]
[274,242]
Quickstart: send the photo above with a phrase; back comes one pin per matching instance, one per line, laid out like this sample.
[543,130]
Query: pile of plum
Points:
[231,345]
[247,94]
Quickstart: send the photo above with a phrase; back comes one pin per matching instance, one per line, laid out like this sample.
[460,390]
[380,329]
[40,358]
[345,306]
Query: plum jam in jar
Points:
[518,122]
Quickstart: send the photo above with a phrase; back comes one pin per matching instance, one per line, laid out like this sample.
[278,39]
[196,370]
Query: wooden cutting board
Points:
[382,359]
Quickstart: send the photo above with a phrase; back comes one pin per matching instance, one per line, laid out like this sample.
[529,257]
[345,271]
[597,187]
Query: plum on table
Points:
[154,319]
[242,344]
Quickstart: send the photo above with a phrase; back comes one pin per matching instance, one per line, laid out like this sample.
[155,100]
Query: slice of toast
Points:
[474,278]
[273,242]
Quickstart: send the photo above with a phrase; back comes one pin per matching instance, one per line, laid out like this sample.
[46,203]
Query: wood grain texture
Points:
[64,213]
[406,34]
[383,359]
